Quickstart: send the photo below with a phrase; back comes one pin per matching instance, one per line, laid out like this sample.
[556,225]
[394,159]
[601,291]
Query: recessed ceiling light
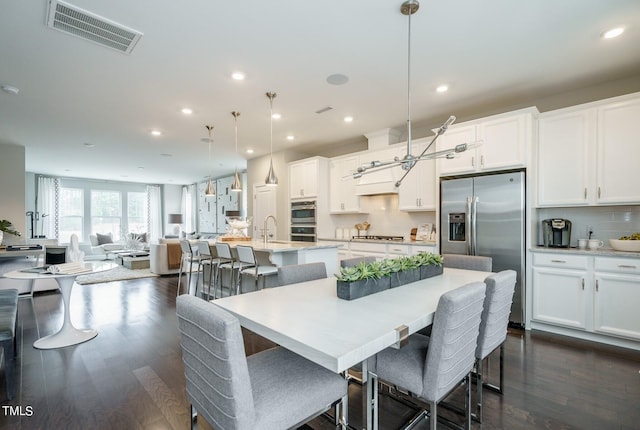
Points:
[249,151]
[156,132]
[442,88]
[238,76]
[348,119]
[186,111]
[291,137]
[276,116]
[337,79]
[614,32]
[10,90]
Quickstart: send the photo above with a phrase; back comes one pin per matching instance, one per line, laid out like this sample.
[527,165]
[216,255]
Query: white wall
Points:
[13,190]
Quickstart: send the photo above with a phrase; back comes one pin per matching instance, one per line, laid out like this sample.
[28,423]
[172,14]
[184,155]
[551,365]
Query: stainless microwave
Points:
[303,212]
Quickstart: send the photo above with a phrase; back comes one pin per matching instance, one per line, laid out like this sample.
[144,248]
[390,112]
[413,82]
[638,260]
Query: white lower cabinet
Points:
[593,294]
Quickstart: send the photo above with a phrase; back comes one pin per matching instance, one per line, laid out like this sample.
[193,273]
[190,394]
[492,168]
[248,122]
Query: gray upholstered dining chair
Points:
[350,262]
[295,273]
[273,389]
[493,328]
[430,368]
[248,265]
[469,262]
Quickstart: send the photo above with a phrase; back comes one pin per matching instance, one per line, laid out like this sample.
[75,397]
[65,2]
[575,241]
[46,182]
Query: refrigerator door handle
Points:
[469,231]
[474,225]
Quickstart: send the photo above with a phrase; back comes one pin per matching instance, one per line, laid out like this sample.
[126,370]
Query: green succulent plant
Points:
[382,268]
[7,227]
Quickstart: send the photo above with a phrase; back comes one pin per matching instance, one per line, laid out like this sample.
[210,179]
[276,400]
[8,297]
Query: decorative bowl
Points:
[625,245]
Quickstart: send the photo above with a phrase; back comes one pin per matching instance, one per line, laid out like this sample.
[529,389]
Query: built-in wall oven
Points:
[303,221]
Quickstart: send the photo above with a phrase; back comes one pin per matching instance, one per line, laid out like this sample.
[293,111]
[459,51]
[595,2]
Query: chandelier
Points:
[409,160]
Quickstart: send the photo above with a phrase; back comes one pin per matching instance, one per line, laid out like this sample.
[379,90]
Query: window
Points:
[106,212]
[137,212]
[71,217]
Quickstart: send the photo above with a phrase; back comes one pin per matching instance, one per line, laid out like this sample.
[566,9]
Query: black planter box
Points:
[355,290]
[430,270]
[405,277]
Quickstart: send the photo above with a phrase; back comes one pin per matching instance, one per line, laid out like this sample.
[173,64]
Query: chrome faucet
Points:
[266,230]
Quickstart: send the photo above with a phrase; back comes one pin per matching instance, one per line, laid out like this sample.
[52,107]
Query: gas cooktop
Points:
[379,237]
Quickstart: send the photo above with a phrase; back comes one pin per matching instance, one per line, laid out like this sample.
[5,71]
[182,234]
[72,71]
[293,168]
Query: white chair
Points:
[296,273]
[188,257]
[206,259]
[249,266]
[273,389]
[469,262]
[226,262]
[493,328]
[430,368]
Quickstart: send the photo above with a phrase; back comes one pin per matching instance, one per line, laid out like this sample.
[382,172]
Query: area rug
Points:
[116,274]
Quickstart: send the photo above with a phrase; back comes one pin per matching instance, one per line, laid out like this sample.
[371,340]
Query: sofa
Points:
[165,256]
[102,244]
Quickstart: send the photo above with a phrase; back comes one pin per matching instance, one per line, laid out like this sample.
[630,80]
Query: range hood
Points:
[383,181]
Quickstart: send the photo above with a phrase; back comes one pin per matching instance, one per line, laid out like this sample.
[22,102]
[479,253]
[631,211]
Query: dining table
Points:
[309,319]
[67,335]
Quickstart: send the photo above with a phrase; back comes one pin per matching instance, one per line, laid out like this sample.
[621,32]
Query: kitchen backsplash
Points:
[608,222]
[384,216]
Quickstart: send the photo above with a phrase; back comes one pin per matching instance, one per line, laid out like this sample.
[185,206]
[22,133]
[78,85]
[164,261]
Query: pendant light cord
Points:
[409,86]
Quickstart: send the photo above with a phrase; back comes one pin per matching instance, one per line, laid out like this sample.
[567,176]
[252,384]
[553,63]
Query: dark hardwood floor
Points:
[131,375]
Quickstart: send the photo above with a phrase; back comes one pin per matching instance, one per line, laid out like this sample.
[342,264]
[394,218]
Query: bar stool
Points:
[249,266]
[226,261]
[206,260]
[190,257]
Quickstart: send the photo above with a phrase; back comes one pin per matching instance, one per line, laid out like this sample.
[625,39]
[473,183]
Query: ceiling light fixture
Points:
[156,132]
[10,89]
[249,151]
[271,179]
[186,111]
[237,184]
[291,137]
[407,163]
[238,76]
[614,32]
[348,119]
[442,88]
[209,191]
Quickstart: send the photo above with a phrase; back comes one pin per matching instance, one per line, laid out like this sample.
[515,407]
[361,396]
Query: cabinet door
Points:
[464,162]
[418,189]
[564,152]
[616,299]
[342,194]
[504,142]
[303,179]
[618,160]
[559,297]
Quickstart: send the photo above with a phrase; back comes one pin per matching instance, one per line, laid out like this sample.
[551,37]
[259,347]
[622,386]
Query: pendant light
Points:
[271,179]
[236,185]
[210,191]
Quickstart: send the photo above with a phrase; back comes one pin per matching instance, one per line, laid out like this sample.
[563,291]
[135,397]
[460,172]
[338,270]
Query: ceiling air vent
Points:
[324,109]
[89,26]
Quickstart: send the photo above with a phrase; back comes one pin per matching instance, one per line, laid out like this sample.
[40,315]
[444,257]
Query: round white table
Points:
[67,335]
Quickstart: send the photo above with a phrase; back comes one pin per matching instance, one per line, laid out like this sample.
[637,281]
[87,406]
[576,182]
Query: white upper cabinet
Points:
[505,141]
[618,153]
[418,189]
[342,191]
[303,178]
[589,155]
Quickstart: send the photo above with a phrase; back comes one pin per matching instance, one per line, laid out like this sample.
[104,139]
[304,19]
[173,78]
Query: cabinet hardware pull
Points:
[596,285]
[598,192]
[582,284]
[585,192]
[558,261]
[482,161]
[627,266]
[473,161]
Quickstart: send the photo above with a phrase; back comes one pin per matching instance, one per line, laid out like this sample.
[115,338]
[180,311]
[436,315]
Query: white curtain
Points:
[47,208]
[189,207]
[155,212]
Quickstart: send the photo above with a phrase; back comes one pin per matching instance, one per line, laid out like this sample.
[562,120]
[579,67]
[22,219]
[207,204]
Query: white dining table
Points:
[309,319]
[67,335]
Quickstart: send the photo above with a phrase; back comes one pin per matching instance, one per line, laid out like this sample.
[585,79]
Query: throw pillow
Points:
[104,238]
[142,237]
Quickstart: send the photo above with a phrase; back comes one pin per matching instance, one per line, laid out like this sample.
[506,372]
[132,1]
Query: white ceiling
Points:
[491,53]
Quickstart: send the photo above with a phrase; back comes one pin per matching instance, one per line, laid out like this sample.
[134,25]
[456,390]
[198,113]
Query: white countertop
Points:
[393,242]
[276,246]
[602,252]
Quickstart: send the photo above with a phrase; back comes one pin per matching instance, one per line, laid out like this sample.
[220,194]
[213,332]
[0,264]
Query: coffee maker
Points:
[556,233]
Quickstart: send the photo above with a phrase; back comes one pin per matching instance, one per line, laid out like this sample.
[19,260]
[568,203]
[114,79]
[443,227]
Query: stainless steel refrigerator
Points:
[485,215]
